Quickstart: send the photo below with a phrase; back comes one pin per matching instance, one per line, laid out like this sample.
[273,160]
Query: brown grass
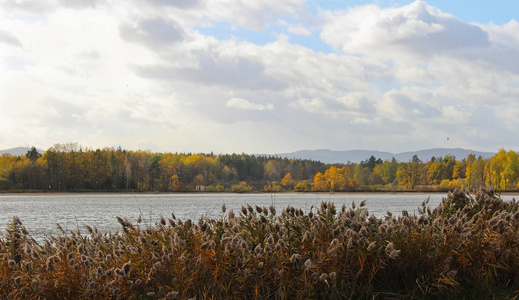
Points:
[467,247]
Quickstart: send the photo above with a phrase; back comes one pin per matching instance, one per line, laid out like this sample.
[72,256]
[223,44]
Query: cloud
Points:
[417,29]
[43,6]
[359,102]
[246,104]
[31,6]
[217,68]
[297,29]
[79,4]
[506,35]
[252,14]
[399,107]
[9,39]
[139,72]
[456,115]
[308,105]
[184,4]
[153,32]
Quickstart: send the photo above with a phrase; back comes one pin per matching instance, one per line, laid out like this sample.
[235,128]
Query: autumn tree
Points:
[335,178]
[362,175]
[502,170]
[272,170]
[301,186]
[387,171]
[320,183]
[511,170]
[33,154]
[410,173]
[459,170]
[495,170]
[66,167]
[154,172]
[287,180]
[475,171]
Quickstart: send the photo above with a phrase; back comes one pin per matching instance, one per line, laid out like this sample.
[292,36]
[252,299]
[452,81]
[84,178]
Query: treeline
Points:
[69,167]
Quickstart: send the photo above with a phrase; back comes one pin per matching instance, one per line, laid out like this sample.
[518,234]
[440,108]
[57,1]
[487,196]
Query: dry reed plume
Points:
[466,247]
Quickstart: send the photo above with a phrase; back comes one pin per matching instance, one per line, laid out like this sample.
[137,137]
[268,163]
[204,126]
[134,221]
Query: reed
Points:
[467,247]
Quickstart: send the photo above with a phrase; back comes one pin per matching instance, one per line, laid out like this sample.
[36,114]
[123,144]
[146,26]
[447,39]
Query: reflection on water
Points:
[40,213]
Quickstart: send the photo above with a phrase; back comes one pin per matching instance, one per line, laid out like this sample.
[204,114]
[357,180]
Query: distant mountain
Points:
[18,151]
[356,156]
[349,156]
[426,155]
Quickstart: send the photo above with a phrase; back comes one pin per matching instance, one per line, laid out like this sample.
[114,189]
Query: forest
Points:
[72,168]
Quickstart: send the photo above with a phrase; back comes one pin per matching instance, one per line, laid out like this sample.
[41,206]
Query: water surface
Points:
[40,213]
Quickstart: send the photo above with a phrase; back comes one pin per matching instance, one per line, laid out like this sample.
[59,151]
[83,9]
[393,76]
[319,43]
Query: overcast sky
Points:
[260,76]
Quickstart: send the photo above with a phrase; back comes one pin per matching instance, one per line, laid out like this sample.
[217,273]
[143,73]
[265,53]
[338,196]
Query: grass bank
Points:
[467,247]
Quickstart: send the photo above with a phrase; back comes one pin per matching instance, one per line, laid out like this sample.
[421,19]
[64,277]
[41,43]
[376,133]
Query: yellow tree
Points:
[176,184]
[168,169]
[414,171]
[320,184]
[475,172]
[387,170]
[287,180]
[362,175]
[401,175]
[511,170]
[495,170]
[335,178]
[459,170]
[433,171]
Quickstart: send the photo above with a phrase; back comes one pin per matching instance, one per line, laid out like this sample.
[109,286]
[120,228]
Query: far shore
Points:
[54,193]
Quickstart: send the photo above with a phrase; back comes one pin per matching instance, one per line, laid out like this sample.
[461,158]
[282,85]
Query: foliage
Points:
[242,187]
[465,248]
[301,187]
[272,188]
[69,167]
[287,180]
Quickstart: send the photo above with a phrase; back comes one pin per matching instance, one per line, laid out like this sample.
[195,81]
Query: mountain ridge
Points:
[356,156]
[345,156]
[17,151]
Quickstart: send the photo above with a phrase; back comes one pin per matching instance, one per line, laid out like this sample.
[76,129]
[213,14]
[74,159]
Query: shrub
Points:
[272,188]
[215,188]
[243,187]
[5,184]
[467,247]
[301,187]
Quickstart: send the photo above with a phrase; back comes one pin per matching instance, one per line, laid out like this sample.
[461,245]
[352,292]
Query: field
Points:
[466,248]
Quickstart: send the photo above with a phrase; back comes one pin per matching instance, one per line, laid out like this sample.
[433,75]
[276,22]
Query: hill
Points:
[348,156]
[356,156]
[17,151]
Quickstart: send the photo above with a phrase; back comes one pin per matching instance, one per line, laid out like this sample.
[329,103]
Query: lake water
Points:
[40,213]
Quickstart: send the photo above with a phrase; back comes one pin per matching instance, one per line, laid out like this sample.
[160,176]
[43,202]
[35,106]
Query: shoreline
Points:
[40,193]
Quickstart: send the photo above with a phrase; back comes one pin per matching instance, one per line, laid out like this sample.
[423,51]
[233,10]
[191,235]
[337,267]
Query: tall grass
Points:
[467,247]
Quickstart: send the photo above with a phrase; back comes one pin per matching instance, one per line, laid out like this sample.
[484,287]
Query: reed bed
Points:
[466,248]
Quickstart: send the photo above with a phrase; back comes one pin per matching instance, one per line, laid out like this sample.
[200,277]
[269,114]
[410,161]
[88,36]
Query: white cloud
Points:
[297,29]
[455,115]
[9,39]
[252,14]
[139,73]
[217,67]
[246,104]
[400,107]
[417,29]
[506,35]
[153,32]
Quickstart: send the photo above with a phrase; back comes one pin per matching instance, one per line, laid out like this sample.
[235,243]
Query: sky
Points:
[260,76]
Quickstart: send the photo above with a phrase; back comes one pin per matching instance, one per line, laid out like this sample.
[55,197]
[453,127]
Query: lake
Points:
[40,213]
